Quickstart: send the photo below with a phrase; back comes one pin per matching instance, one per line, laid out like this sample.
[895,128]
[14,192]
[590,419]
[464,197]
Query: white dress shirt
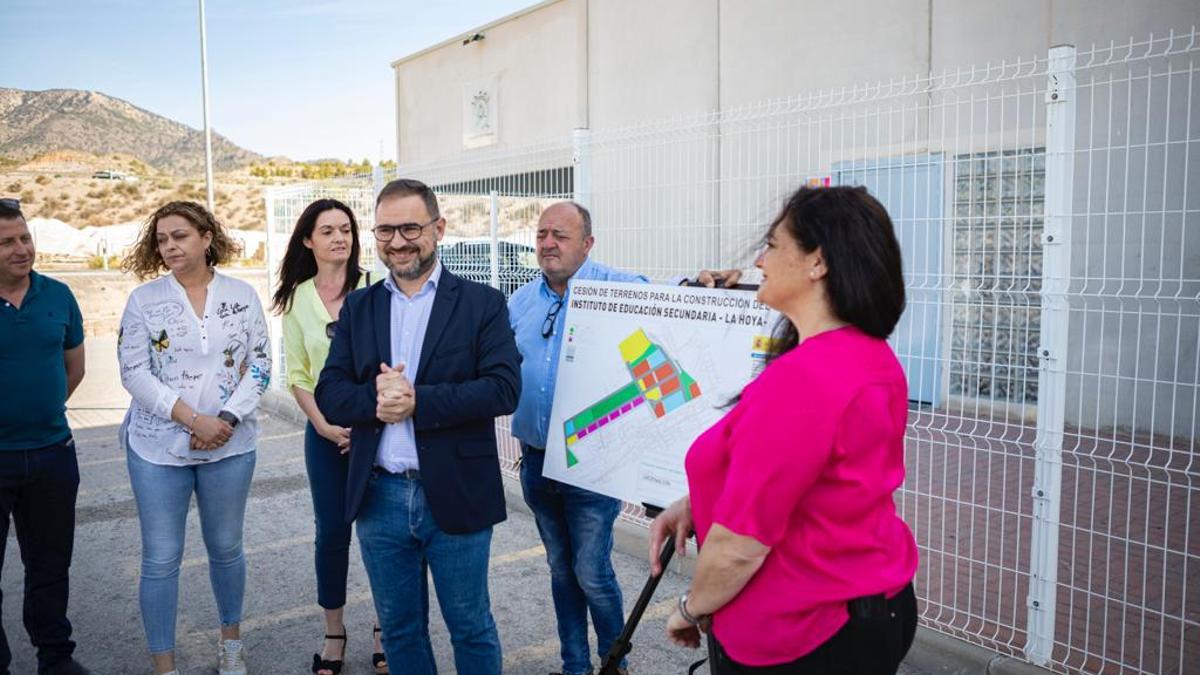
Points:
[409,319]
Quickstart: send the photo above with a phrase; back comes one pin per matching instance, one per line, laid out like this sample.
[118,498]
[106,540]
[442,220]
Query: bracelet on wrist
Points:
[191,425]
[683,611]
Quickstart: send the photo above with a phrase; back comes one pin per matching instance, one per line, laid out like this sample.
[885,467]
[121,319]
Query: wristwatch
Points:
[229,418]
[687,616]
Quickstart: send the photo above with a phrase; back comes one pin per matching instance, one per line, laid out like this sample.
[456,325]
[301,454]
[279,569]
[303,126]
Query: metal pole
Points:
[275,322]
[495,229]
[581,160]
[208,168]
[377,182]
[1052,362]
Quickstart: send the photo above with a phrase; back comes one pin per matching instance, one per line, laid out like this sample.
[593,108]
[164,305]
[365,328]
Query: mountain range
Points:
[36,122]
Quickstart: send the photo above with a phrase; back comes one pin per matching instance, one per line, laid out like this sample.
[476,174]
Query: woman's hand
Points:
[197,444]
[682,633]
[339,436]
[210,432]
[676,520]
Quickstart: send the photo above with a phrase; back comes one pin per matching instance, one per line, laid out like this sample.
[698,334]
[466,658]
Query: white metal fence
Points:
[1047,212]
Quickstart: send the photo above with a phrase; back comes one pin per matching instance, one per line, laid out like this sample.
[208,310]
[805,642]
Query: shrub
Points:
[96,262]
[42,179]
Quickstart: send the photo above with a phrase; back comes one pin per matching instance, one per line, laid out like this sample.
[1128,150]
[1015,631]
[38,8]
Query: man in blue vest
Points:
[41,356]
[576,525]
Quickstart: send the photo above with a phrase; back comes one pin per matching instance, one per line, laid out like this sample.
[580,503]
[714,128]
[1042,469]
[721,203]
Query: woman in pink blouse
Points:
[805,566]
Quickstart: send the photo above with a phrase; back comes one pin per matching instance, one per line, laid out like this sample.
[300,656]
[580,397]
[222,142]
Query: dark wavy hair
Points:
[865,280]
[144,260]
[299,264]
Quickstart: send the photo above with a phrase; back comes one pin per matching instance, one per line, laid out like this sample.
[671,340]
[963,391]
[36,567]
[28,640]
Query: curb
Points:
[932,652]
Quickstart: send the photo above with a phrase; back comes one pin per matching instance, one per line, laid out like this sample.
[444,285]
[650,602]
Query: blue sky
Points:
[301,78]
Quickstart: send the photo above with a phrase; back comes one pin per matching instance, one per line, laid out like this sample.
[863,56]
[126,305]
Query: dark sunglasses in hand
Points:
[551,316]
[409,231]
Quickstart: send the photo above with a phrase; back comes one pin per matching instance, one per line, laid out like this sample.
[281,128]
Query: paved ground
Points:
[282,625]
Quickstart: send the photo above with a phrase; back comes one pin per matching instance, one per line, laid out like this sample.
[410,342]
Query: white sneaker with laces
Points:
[231,659]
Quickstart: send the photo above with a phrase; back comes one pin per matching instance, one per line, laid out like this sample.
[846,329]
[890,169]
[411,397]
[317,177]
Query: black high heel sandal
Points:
[332,665]
[378,659]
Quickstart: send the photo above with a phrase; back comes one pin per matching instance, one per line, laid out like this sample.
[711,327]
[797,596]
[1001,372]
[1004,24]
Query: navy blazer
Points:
[469,374]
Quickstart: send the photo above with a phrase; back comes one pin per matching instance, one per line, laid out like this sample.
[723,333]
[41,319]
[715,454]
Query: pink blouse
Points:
[806,463]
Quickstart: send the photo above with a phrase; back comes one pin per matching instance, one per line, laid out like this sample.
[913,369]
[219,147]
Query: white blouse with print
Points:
[220,361]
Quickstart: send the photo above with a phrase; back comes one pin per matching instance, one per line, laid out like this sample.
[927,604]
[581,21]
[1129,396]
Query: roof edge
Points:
[468,33]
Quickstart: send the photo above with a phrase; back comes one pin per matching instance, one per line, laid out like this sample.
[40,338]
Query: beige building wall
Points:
[601,64]
[538,59]
[777,48]
[651,59]
[610,65]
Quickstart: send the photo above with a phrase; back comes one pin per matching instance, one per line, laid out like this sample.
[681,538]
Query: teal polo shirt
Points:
[33,398]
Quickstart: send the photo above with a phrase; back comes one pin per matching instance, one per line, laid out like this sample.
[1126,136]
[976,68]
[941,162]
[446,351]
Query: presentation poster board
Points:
[643,370]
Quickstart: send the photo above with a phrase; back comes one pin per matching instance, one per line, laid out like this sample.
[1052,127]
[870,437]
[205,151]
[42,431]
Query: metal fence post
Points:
[377,179]
[377,182]
[1052,362]
[274,323]
[581,161]
[494,258]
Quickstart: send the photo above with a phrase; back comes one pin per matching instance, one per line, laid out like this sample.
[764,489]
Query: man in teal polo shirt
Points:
[41,356]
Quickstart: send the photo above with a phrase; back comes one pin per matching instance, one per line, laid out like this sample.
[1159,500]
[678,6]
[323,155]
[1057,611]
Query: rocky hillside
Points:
[35,122]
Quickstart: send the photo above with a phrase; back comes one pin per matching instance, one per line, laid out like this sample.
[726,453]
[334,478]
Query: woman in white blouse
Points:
[194,356]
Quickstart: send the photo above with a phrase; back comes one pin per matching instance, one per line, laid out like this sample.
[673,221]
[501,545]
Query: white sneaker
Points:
[231,659]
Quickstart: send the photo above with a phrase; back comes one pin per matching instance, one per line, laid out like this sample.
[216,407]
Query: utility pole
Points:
[208,165]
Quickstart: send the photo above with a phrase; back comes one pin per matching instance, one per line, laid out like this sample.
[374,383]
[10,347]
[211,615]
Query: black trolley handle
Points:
[624,643]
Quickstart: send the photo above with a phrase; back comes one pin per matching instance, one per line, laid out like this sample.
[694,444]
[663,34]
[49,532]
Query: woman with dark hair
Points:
[319,269]
[805,566]
[194,356]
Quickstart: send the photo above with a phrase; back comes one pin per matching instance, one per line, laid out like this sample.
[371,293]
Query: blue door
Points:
[911,189]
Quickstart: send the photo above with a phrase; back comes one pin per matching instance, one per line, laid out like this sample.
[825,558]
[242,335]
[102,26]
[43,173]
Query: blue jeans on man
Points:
[576,527]
[400,541]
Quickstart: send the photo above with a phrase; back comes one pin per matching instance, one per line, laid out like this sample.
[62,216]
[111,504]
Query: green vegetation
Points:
[96,262]
[318,170]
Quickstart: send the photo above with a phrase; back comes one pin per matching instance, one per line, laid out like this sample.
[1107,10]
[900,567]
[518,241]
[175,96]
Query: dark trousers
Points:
[327,470]
[866,645]
[38,488]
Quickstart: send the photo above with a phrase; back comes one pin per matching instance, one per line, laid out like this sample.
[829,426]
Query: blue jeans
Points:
[576,526]
[400,542]
[163,494]
[38,488]
[327,470]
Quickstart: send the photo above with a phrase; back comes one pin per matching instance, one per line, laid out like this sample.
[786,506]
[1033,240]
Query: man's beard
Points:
[415,269]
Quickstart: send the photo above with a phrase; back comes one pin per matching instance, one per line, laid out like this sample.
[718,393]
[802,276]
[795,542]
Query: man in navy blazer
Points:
[420,365]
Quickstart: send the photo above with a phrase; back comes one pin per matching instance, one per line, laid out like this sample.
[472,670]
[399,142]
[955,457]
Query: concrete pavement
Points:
[282,624]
